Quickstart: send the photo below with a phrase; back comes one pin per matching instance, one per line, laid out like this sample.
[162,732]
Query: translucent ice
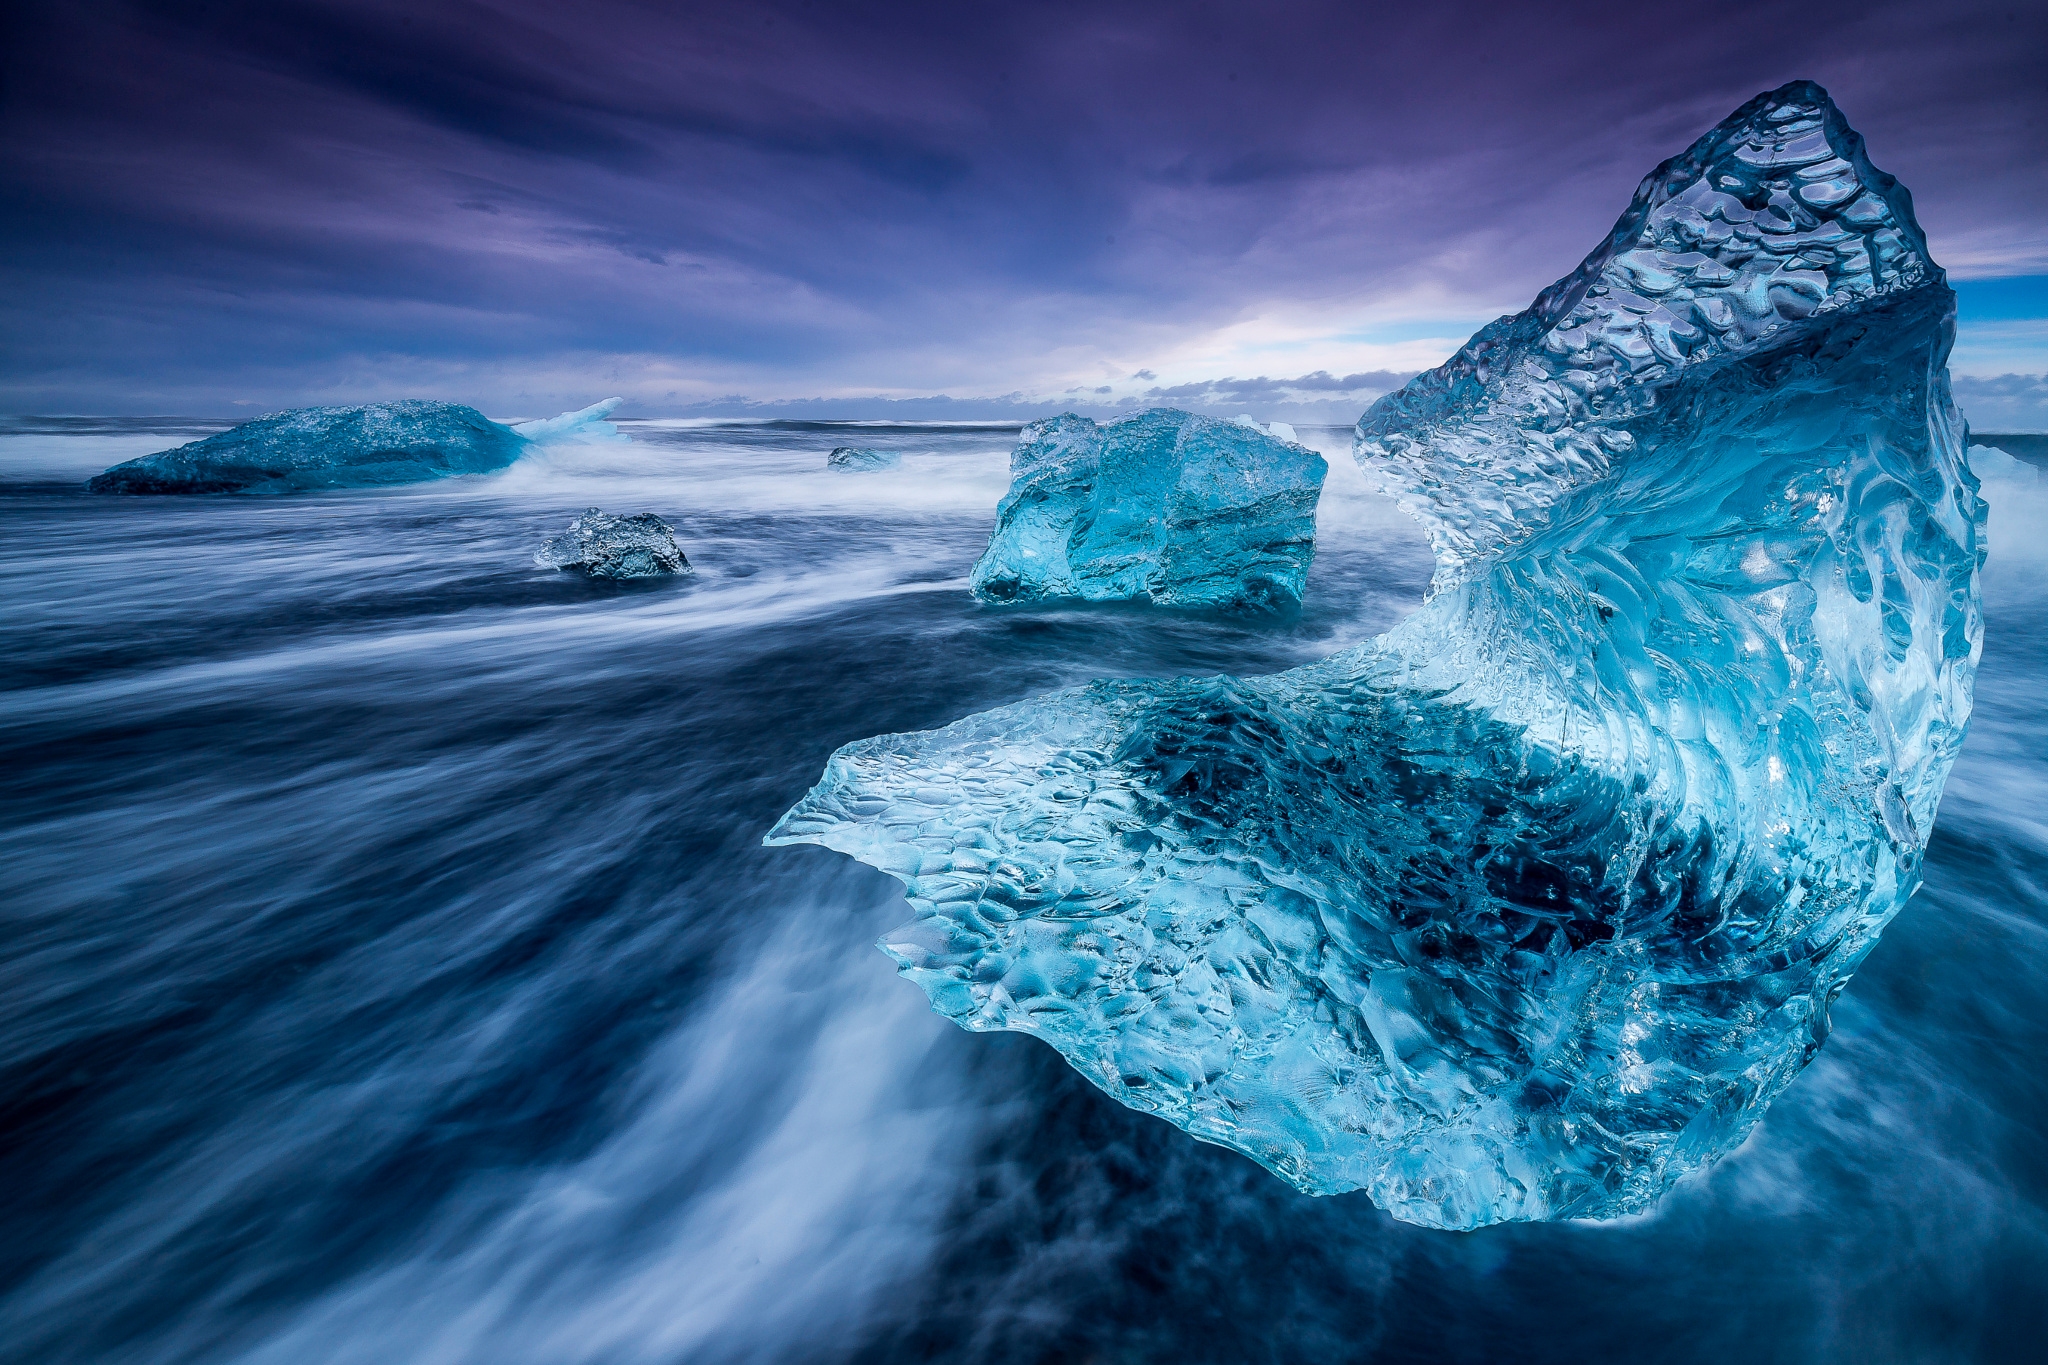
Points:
[1534,903]
[1278,430]
[407,441]
[1994,461]
[583,426]
[601,546]
[1163,505]
[853,459]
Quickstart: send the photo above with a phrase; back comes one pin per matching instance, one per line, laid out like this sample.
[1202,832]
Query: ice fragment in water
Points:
[1281,431]
[1163,505]
[601,546]
[407,441]
[585,426]
[853,459]
[1532,904]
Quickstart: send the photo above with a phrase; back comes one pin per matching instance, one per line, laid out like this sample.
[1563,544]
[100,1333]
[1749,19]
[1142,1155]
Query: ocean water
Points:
[392,971]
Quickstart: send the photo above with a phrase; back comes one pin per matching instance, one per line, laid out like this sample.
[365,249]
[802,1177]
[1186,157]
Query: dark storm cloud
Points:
[491,200]
[487,72]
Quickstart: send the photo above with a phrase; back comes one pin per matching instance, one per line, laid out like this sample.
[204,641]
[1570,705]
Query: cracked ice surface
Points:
[1534,903]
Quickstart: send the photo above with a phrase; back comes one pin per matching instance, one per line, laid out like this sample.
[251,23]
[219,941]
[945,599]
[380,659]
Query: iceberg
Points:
[408,441]
[601,546]
[1161,506]
[852,459]
[1531,905]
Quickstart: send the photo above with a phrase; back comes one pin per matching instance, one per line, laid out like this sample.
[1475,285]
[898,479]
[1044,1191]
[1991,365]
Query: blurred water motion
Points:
[392,971]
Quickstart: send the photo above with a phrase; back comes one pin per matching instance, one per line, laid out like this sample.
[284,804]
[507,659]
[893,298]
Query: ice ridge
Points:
[1533,904]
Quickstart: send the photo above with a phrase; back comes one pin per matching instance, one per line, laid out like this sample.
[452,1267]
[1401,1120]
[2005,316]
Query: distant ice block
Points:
[1533,904]
[853,459]
[1279,431]
[1995,462]
[583,426]
[1162,506]
[600,546]
[408,441]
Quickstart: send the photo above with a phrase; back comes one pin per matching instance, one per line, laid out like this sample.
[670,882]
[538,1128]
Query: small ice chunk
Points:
[853,459]
[601,546]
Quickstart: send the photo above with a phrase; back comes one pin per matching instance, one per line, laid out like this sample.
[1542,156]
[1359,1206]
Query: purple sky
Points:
[531,205]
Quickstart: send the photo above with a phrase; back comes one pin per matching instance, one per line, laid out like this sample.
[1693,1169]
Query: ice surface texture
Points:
[1166,506]
[1533,904]
[601,546]
[855,460]
[408,441]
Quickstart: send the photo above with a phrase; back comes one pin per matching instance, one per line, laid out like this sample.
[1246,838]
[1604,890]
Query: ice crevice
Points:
[1534,903]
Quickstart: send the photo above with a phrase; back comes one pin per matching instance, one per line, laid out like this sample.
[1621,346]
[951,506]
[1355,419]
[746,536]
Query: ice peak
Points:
[1773,217]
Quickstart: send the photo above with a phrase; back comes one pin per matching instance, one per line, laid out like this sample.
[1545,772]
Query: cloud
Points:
[1317,386]
[786,199]
[2005,403]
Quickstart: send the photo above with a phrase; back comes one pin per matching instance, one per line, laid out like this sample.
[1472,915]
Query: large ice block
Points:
[1162,506]
[407,441]
[1533,904]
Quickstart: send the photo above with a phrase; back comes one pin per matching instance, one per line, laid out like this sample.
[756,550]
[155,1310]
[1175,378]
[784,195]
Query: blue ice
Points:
[1532,905]
[407,441]
[584,426]
[1161,506]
